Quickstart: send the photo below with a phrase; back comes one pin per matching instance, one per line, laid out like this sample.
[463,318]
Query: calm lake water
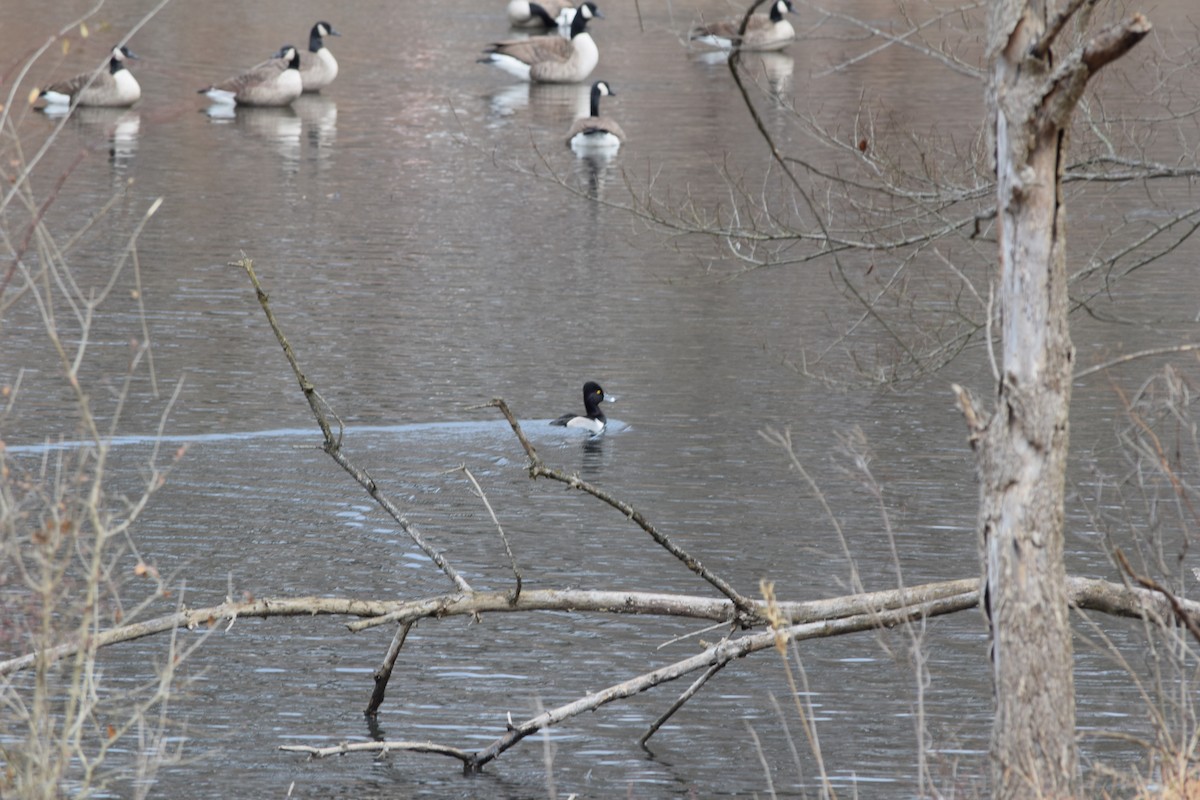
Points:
[422,254]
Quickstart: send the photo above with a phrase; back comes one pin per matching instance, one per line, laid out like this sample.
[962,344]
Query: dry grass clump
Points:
[1180,784]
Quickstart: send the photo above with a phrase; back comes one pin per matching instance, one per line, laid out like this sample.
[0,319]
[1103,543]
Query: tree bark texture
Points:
[1022,447]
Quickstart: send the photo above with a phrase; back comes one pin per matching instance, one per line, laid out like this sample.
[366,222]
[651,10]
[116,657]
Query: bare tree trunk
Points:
[1022,447]
[1022,455]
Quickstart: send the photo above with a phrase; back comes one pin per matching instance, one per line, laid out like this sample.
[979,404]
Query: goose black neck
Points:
[295,62]
[579,23]
[315,40]
[596,100]
[116,62]
[776,14]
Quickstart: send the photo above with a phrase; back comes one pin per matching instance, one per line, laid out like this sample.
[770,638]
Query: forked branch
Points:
[1085,593]
[716,656]
[1069,80]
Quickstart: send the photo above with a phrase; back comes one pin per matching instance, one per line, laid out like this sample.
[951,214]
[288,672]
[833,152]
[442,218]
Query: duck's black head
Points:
[593,396]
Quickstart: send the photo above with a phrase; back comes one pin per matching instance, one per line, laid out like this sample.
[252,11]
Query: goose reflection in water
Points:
[120,128]
[279,126]
[548,103]
[771,70]
[775,68]
[593,170]
[319,117]
[506,102]
[123,138]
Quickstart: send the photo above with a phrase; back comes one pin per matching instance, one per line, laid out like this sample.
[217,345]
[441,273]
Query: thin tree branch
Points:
[1085,593]
[678,704]
[538,469]
[1155,351]
[1042,46]
[1188,620]
[384,673]
[382,748]
[333,446]
[512,559]
[381,612]
[777,155]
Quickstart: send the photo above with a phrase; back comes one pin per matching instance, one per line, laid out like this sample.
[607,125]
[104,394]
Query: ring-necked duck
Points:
[595,421]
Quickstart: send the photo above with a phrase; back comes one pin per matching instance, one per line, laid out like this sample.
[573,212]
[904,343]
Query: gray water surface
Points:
[423,260]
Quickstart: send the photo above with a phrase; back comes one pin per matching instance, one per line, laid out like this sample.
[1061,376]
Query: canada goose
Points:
[596,132]
[271,83]
[541,14]
[762,32]
[550,59]
[116,87]
[318,67]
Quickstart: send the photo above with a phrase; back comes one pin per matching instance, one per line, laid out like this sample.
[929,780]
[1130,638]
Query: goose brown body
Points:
[550,59]
[763,33]
[272,83]
[114,87]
